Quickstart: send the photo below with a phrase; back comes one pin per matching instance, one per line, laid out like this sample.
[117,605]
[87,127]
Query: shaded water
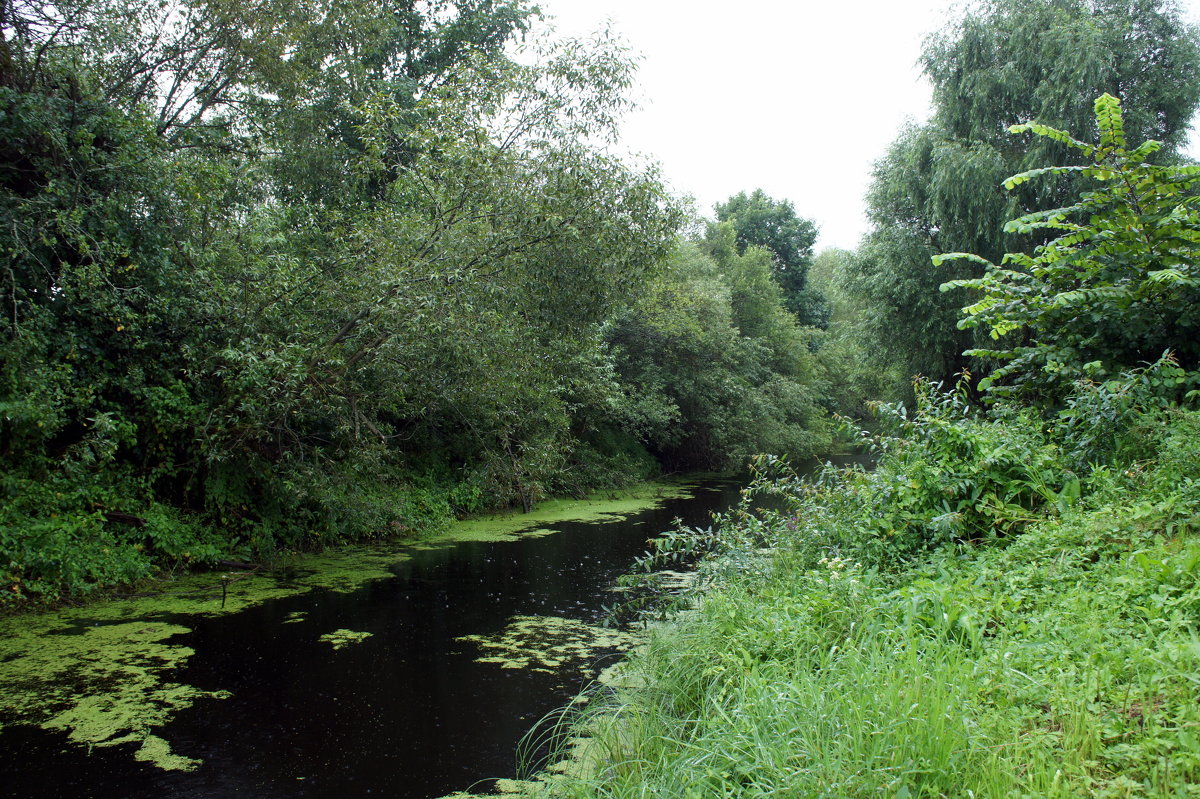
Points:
[406,713]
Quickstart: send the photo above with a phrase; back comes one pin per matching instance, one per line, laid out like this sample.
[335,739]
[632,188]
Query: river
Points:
[415,682]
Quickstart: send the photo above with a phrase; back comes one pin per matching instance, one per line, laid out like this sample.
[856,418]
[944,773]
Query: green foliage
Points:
[856,372]
[947,474]
[954,477]
[1116,418]
[1005,62]
[714,368]
[305,273]
[1059,662]
[1007,603]
[61,535]
[760,221]
[1017,60]
[1115,284]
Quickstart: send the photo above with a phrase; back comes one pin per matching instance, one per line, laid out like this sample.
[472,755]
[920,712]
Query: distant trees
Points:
[938,187]
[714,368]
[758,220]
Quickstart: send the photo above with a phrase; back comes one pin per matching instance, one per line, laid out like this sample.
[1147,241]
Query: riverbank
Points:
[131,567]
[1055,656]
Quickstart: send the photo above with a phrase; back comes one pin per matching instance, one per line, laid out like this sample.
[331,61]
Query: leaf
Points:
[1024,177]
[1082,295]
[939,260]
[1057,135]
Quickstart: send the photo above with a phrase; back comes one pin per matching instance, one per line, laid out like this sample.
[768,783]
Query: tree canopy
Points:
[284,273]
[758,220]
[938,188]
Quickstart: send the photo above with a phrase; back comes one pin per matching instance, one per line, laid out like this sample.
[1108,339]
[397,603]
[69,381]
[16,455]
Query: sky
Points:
[796,97]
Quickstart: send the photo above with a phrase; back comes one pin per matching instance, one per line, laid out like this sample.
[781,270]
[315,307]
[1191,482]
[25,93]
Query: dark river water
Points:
[407,713]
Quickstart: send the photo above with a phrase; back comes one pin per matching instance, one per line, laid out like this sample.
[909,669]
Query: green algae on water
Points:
[512,789]
[343,638]
[548,643]
[102,674]
[602,506]
[102,686]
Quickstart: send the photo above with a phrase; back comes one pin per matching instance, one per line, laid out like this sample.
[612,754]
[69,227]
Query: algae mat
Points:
[600,507]
[104,675]
[549,643]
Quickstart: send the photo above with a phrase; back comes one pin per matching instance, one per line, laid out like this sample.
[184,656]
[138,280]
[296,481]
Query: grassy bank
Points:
[1000,609]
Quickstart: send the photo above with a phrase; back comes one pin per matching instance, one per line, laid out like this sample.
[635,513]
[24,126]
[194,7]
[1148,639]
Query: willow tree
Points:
[938,189]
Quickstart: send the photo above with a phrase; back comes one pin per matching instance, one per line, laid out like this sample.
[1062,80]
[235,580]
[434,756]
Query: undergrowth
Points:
[984,614]
[69,534]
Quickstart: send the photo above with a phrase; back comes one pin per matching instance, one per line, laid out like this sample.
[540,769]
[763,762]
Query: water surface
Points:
[402,708]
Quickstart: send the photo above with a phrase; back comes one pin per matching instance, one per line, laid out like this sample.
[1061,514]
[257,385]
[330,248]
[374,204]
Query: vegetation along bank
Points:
[280,276]
[1008,604]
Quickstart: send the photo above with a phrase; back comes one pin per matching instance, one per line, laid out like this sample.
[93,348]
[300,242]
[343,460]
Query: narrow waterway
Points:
[400,688]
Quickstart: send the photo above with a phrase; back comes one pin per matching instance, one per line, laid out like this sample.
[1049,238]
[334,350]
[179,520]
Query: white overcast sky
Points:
[796,97]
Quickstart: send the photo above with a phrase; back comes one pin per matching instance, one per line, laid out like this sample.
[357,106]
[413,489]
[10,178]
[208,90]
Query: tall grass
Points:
[1060,662]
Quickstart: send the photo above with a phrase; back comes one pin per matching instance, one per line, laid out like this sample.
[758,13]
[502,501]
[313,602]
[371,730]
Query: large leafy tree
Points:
[938,188]
[760,221]
[374,249]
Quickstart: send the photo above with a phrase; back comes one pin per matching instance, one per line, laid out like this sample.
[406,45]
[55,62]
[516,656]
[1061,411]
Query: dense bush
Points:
[280,275]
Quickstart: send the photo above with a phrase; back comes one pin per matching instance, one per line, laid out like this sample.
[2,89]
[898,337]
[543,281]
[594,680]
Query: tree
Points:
[1116,285]
[713,367]
[937,189]
[387,312]
[759,220]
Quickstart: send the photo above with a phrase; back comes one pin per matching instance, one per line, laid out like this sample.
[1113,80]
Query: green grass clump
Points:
[1054,656]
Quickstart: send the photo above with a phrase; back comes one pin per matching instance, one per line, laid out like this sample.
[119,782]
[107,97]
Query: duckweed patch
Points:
[102,687]
[548,643]
[512,789]
[102,674]
[600,507]
[340,639]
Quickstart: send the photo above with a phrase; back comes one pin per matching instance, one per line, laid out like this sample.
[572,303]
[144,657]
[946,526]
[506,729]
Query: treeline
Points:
[279,274]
